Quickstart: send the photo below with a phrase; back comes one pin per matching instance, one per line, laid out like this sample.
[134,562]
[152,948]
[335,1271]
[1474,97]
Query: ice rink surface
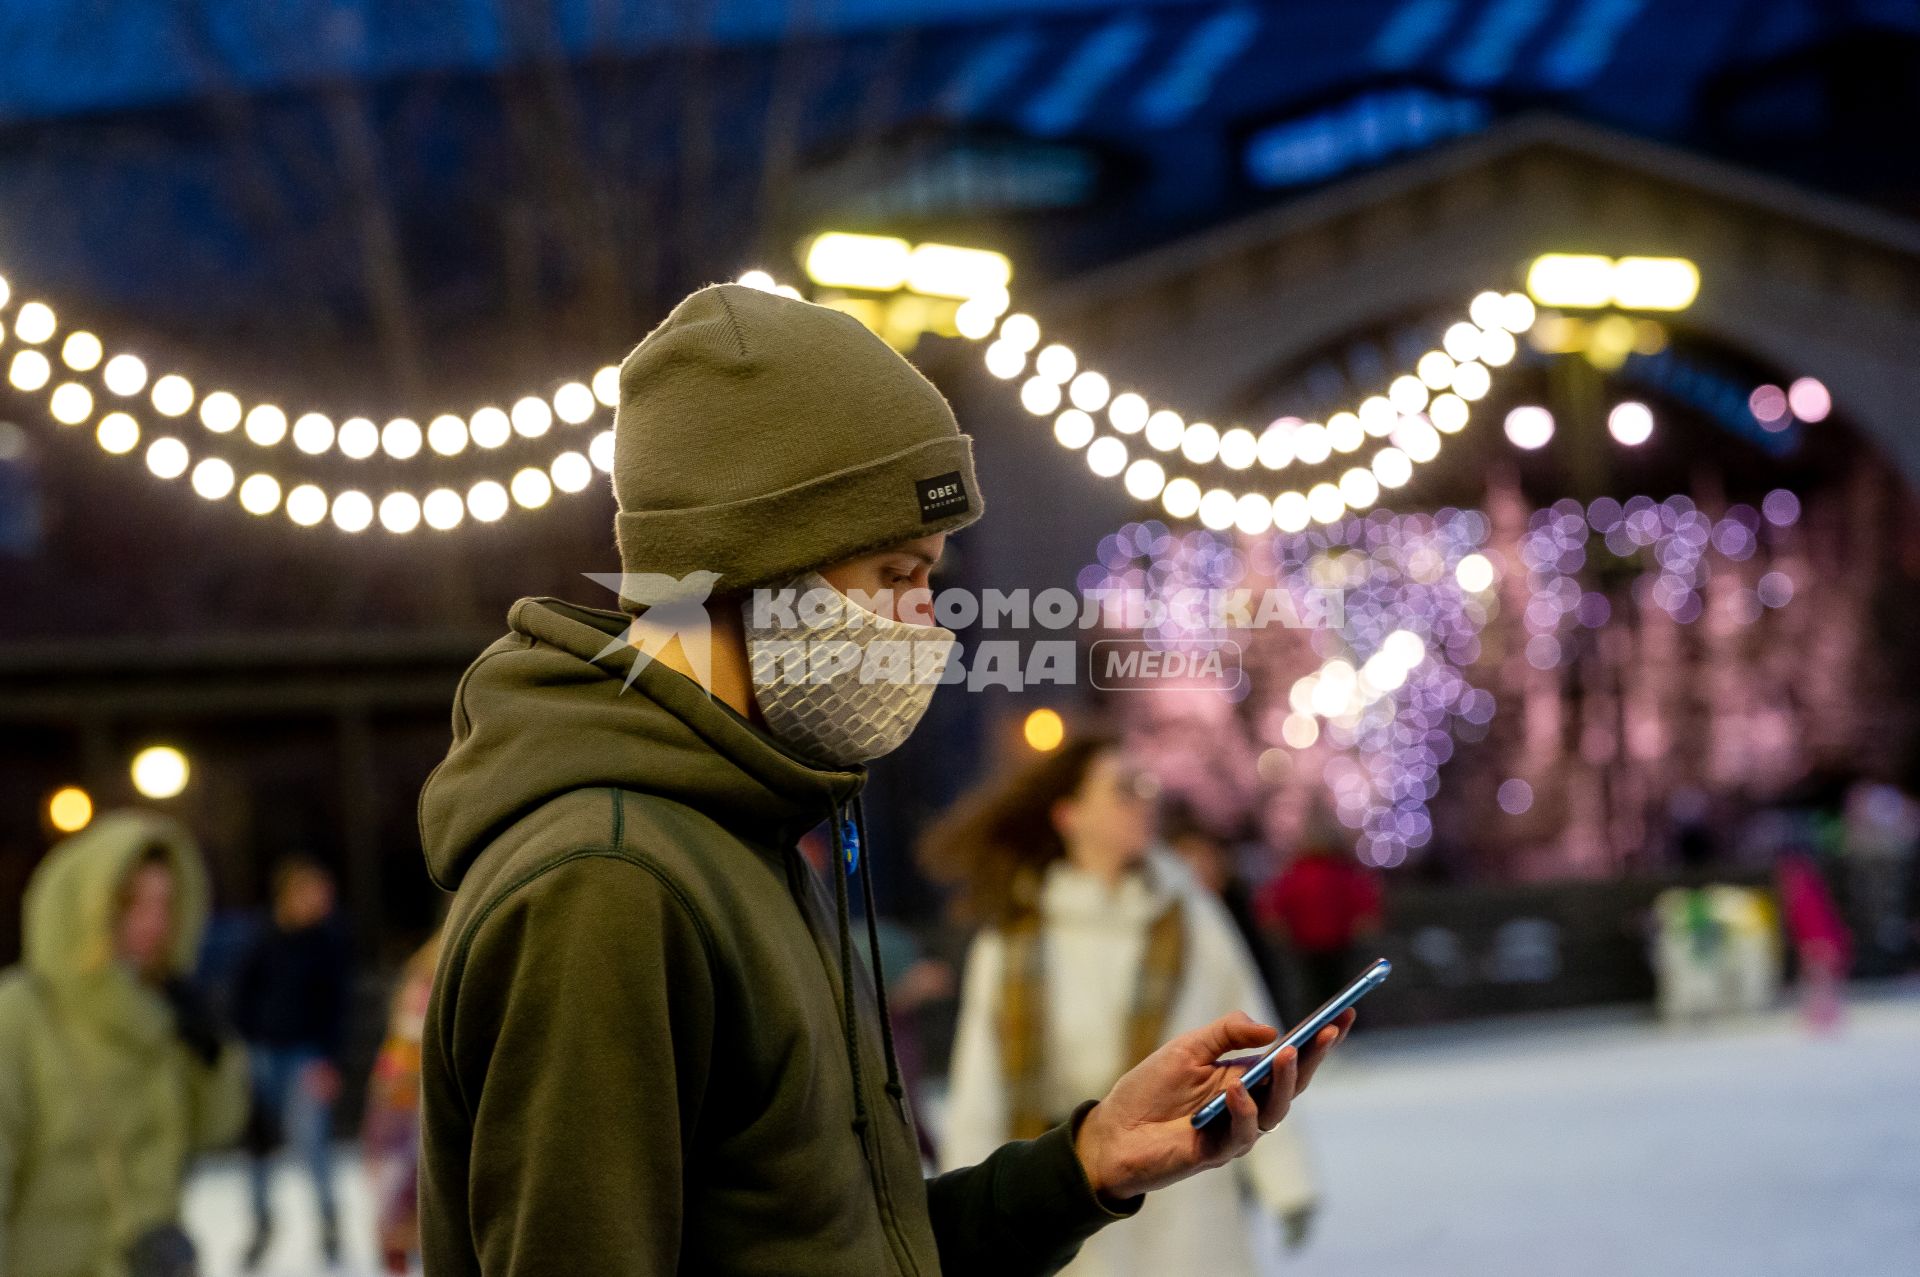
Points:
[1604,1144]
[1571,1145]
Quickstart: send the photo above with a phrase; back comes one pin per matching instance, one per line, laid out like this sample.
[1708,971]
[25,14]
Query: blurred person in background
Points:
[1210,858]
[113,1073]
[1094,950]
[290,1000]
[390,1133]
[1821,939]
[1322,905]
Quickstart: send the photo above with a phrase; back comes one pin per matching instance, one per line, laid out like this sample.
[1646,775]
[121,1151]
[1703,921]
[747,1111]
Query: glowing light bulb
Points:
[1073,429]
[118,433]
[1238,448]
[573,403]
[306,505]
[260,494]
[1408,394]
[1392,467]
[220,412]
[71,403]
[1106,456]
[1435,369]
[358,438]
[160,772]
[606,386]
[1200,444]
[167,458]
[81,351]
[1253,513]
[125,375]
[266,425]
[1291,512]
[1181,498]
[399,512]
[571,472]
[531,488]
[1020,332]
[490,428]
[1311,444]
[1004,361]
[401,438]
[1040,396]
[1529,426]
[34,323]
[1630,423]
[1056,363]
[447,435]
[1145,479]
[1325,504]
[443,509]
[30,370]
[1165,430]
[212,478]
[531,417]
[1089,391]
[1474,573]
[172,395]
[352,511]
[1128,413]
[1359,488]
[312,434]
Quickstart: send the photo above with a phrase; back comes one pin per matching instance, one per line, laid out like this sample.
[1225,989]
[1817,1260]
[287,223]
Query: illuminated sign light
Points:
[1364,130]
[884,264]
[1588,281]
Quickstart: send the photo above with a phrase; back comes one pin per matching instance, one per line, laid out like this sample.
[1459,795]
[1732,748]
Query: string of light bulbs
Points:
[71,403]
[1418,408]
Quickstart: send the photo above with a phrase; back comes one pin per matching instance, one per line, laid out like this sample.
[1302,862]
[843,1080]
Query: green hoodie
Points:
[90,1065]
[637,1058]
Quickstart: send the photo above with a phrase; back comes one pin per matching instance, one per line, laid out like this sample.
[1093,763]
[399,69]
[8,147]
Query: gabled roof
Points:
[1541,132]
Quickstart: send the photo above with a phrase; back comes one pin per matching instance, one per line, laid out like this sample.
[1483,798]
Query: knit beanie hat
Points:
[759,437]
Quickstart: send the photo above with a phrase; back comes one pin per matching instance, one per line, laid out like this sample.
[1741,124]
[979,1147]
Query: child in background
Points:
[390,1135]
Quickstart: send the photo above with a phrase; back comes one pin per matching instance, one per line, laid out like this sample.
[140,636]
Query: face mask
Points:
[836,683]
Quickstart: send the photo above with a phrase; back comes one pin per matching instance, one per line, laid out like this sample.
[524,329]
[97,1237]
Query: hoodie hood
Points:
[546,710]
[73,898]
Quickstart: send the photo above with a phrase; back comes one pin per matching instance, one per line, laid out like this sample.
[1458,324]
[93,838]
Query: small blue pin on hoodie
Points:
[850,840]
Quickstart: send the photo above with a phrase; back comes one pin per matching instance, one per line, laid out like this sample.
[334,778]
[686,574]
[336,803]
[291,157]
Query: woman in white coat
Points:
[1094,950]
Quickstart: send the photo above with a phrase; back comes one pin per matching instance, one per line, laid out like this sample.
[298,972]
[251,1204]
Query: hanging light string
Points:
[1418,408]
[72,403]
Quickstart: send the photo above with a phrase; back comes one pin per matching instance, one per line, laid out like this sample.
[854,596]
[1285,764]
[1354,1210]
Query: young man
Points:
[650,1049]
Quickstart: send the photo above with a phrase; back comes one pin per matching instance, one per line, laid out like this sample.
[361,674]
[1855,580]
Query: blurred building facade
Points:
[1246,209]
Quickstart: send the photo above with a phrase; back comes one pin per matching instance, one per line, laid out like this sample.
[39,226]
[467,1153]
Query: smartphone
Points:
[1302,1033]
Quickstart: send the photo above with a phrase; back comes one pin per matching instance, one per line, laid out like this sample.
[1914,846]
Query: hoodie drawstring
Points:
[842,865]
[850,848]
[896,1091]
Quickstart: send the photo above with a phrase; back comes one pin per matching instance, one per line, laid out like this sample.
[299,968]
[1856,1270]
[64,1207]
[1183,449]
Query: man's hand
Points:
[1141,1137]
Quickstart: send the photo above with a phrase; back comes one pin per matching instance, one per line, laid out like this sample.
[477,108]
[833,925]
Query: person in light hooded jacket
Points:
[112,1073]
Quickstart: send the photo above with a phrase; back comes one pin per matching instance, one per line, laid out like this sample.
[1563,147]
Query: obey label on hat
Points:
[942,495]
